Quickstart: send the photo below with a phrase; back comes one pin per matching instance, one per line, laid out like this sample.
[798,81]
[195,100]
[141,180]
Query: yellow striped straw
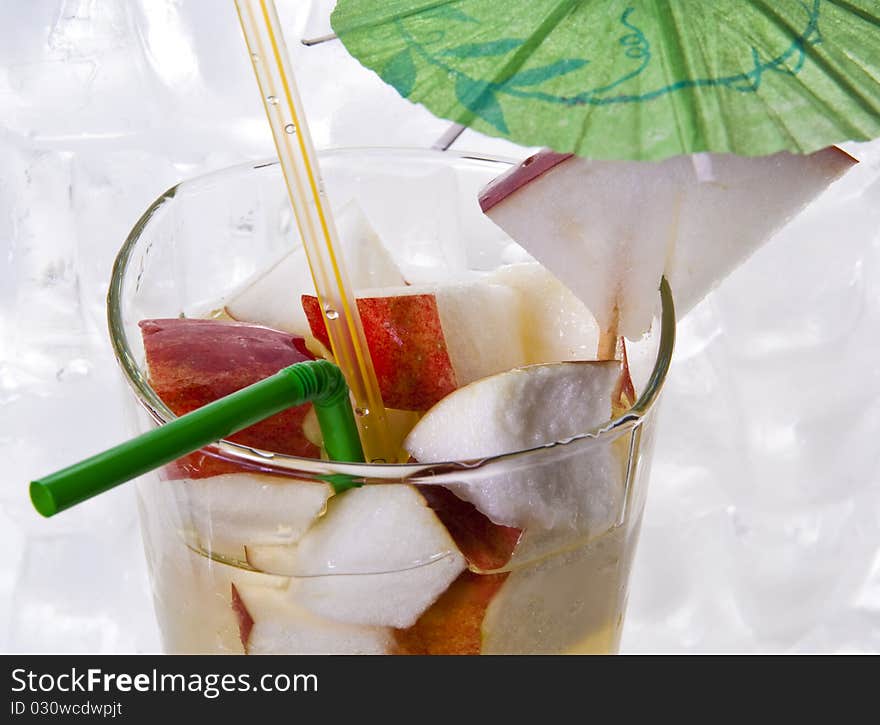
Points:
[262,32]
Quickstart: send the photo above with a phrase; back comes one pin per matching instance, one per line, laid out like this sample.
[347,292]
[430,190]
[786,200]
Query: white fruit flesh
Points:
[367,259]
[515,410]
[553,323]
[576,487]
[479,322]
[379,556]
[281,626]
[273,298]
[610,229]
[277,559]
[249,509]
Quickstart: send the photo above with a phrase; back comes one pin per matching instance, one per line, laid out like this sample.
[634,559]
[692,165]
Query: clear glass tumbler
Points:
[227,553]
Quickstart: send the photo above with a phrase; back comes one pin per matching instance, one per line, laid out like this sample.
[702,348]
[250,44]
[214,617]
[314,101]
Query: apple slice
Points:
[379,556]
[194,362]
[427,341]
[554,324]
[270,622]
[406,345]
[610,229]
[272,298]
[236,510]
[578,487]
[451,625]
[479,323]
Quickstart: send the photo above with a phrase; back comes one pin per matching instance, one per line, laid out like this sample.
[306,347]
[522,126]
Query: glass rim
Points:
[284,464]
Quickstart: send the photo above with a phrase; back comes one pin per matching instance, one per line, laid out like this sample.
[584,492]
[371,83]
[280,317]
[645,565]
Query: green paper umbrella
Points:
[635,79]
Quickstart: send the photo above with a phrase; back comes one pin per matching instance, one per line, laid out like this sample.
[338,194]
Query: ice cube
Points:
[54,611]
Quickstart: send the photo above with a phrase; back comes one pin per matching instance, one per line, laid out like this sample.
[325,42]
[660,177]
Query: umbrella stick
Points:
[309,42]
[607,347]
[449,137]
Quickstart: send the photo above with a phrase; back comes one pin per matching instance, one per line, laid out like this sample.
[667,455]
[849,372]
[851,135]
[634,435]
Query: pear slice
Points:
[236,510]
[427,340]
[575,487]
[272,622]
[610,229]
[279,559]
[379,556]
[554,324]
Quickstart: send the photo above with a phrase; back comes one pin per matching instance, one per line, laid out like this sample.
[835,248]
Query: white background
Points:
[763,521]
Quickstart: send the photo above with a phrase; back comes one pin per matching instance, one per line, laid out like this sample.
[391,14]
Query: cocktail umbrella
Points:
[632,79]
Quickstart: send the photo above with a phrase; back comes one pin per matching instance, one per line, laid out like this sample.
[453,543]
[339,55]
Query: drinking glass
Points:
[223,558]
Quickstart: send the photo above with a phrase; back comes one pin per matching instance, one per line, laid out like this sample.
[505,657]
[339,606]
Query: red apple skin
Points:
[517,177]
[453,624]
[500,188]
[485,545]
[194,362]
[245,620]
[406,345]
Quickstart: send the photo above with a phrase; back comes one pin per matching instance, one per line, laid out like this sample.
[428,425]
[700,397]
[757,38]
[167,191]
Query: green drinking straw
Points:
[318,382]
